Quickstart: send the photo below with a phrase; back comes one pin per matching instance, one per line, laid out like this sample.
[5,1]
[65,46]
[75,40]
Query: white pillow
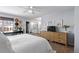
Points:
[5,46]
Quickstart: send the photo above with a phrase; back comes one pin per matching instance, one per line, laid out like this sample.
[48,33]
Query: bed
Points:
[24,43]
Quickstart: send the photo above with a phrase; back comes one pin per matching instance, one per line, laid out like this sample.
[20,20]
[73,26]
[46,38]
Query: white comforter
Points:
[25,43]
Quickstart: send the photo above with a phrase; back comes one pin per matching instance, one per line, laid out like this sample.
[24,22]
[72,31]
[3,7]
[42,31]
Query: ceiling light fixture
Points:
[30,7]
[30,11]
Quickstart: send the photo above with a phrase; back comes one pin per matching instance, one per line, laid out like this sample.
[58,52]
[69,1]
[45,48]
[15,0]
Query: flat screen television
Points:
[51,28]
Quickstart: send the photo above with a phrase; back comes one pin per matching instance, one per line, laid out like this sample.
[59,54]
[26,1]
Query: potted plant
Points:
[66,26]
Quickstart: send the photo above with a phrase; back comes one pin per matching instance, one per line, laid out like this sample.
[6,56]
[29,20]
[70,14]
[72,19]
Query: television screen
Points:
[51,28]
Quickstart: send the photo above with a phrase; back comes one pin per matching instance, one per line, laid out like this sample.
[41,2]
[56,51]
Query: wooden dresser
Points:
[60,37]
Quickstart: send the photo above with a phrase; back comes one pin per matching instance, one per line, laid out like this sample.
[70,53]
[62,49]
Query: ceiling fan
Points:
[31,10]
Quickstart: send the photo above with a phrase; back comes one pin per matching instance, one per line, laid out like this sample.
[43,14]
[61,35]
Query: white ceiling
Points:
[38,10]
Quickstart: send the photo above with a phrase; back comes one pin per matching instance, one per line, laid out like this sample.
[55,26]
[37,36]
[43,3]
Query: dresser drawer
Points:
[62,41]
[59,37]
[62,37]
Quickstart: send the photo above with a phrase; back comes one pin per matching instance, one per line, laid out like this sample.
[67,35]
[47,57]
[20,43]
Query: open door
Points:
[27,27]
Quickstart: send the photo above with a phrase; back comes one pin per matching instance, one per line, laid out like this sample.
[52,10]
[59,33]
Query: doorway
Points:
[27,27]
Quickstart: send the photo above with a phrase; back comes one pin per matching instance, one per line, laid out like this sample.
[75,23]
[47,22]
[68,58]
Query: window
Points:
[6,24]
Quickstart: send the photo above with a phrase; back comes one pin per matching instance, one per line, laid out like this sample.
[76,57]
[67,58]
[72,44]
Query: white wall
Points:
[76,31]
[54,18]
